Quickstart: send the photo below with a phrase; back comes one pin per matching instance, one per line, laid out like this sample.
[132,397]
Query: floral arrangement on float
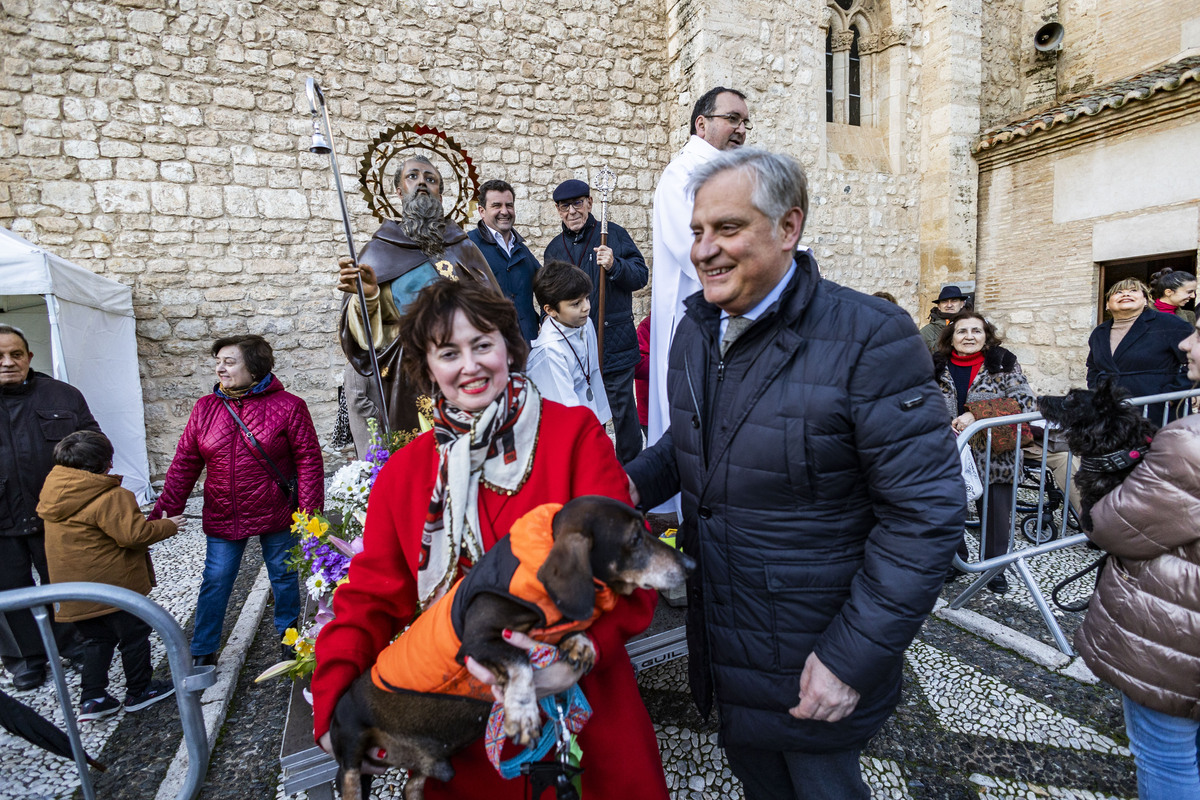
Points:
[327,543]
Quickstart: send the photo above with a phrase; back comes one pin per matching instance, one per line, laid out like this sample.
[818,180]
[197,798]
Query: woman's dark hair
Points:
[560,282]
[886,296]
[90,451]
[429,320]
[1166,279]
[257,354]
[945,342]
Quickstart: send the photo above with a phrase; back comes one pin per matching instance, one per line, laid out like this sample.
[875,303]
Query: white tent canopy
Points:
[83,323]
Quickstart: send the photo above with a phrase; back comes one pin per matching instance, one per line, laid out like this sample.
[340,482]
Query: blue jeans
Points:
[1165,749]
[221,562]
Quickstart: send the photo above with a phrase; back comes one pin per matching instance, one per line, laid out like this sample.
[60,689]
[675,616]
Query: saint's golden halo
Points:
[388,150]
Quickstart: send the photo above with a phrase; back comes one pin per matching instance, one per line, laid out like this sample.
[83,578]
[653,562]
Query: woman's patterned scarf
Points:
[496,447]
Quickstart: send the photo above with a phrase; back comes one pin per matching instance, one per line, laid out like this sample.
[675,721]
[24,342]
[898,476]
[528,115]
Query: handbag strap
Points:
[278,477]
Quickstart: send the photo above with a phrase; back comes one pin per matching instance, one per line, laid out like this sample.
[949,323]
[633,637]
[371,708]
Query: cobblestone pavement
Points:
[977,719]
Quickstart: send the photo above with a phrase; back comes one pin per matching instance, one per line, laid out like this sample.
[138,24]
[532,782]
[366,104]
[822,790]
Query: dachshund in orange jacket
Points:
[551,577]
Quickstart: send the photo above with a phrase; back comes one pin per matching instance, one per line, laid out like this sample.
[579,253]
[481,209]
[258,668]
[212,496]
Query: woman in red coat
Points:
[242,492]
[445,499]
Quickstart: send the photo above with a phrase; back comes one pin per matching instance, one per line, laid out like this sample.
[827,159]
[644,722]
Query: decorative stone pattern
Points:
[967,701]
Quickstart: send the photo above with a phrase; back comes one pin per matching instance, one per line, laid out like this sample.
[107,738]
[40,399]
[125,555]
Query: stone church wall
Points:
[163,143]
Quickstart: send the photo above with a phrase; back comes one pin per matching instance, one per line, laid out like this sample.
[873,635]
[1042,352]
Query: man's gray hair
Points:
[422,159]
[13,330]
[779,182]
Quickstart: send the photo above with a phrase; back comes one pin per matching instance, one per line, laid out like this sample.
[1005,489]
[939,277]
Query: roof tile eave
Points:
[1115,94]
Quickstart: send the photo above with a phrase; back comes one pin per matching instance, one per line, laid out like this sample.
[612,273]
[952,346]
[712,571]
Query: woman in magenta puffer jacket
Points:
[245,493]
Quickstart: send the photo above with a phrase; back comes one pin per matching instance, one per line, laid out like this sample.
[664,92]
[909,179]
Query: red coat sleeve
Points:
[380,597]
[184,471]
[595,470]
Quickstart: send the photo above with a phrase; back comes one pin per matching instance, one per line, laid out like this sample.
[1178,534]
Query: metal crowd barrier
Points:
[189,682]
[986,569]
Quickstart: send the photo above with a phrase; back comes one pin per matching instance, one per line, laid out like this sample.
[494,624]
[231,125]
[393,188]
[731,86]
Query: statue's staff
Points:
[322,144]
[606,181]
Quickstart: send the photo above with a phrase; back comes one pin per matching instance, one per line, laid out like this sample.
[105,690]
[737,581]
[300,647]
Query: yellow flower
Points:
[290,636]
[343,580]
[316,527]
[304,648]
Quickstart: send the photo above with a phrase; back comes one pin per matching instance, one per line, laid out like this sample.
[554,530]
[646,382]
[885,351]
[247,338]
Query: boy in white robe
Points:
[564,361]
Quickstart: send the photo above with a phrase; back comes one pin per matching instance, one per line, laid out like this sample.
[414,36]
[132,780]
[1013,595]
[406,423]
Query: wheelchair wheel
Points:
[1029,529]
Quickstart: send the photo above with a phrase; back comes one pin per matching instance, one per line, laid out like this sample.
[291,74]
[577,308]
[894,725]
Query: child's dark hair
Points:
[560,282]
[90,451]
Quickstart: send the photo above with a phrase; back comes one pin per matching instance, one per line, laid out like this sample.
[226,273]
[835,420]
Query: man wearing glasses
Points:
[720,121]
[623,268]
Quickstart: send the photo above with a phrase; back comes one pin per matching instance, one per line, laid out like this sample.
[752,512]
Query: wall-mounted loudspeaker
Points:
[1048,38]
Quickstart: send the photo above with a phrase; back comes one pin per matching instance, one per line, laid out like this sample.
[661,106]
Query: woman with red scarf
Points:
[971,366]
[497,450]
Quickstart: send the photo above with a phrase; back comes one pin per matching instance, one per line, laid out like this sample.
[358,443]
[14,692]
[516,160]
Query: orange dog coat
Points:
[425,657]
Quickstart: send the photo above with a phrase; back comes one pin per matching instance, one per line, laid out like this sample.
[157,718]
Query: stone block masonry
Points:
[163,143]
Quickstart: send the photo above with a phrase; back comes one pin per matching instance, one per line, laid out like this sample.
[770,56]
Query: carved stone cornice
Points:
[885,39]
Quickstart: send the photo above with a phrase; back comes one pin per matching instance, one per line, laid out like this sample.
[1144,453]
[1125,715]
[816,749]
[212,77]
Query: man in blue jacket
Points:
[510,258]
[624,272]
[820,488]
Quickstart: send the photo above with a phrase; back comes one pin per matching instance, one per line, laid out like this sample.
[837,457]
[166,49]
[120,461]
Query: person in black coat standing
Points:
[1138,347]
[36,412]
[624,271]
[510,258]
[820,488]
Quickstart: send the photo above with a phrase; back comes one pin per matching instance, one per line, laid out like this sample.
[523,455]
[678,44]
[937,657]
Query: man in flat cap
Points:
[621,265]
[949,302]
[402,258]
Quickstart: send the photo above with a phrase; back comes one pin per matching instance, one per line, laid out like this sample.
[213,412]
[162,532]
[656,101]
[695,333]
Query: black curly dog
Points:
[1109,435]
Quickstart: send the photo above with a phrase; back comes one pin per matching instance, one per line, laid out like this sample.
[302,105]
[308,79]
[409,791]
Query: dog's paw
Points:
[522,722]
[578,651]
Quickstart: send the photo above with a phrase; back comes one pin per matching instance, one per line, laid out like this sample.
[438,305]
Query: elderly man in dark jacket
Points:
[820,487]
[624,271]
[36,411]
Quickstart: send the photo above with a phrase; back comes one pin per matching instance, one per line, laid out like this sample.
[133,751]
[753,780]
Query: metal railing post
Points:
[189,682]
[987,568]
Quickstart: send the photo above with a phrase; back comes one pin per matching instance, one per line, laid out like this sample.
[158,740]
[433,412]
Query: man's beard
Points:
[425,222]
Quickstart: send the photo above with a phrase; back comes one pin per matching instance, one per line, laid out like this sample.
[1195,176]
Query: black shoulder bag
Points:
[289,486]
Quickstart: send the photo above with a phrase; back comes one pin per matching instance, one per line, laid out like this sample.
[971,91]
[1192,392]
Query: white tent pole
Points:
[56,346]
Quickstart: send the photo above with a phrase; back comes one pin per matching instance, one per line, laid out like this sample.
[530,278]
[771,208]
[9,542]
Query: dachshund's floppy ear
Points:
[567,572]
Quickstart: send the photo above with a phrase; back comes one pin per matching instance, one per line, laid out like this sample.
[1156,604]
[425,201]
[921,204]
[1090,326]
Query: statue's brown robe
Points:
[402,270]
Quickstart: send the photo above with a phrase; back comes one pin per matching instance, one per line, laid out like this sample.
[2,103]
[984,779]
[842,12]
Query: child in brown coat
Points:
[95,533]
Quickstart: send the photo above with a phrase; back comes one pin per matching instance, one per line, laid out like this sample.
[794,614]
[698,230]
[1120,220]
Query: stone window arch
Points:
[866,79]
[849,74]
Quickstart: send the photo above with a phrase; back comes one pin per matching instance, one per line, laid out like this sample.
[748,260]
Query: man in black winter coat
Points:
[36,411]
[624,270]
[820,488]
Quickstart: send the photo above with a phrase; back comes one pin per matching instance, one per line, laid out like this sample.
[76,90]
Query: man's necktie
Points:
[734,328]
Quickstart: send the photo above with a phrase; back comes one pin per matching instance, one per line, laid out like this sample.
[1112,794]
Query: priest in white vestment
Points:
[720,121]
